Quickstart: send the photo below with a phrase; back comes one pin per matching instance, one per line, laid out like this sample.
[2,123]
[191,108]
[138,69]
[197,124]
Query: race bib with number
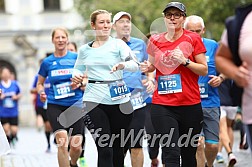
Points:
[169,84]
[118,90]
[63,90]
[137,101]
[203,87]
[8,102]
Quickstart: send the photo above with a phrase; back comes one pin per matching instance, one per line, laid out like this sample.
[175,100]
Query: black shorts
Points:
[136,128]
[53,114]
[41,111]
[10,120]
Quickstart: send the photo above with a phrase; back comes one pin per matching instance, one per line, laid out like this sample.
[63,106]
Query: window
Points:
[2,7]
[51,5]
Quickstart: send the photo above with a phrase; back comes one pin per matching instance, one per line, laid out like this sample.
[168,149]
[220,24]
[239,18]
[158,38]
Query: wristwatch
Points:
[188,61]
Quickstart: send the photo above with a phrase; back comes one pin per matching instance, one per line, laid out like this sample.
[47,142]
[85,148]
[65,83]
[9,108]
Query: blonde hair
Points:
[95,13]
[60,28]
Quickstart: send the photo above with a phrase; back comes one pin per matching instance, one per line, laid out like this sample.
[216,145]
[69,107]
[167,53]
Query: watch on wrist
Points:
[188,61]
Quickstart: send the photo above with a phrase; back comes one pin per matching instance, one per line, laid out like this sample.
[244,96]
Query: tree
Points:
[214,13]
[145,12]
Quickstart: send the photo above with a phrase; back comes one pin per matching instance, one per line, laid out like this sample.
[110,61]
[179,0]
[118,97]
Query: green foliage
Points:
[144,12]
[214,13]
[1,5]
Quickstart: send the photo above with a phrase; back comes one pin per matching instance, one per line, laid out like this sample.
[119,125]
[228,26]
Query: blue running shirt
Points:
[9,107]
[213,99]
[59,71]
[134,79]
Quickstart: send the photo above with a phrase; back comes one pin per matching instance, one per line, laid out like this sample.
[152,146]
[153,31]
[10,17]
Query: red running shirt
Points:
[191,45]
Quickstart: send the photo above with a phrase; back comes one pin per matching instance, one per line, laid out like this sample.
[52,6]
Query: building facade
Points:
[25,37]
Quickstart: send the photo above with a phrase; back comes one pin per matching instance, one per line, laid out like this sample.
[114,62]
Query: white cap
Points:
[118,15]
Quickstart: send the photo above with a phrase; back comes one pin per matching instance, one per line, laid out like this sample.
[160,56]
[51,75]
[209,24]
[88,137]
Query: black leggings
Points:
[248,130]
[136,130]
[178,128]
[153,145]
[108,125]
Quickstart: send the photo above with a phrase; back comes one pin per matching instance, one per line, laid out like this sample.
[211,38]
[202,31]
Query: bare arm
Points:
[16,97]
[147,66]
[224,62]
[200,66]
[215,81]
[131,66]
[40,84]
[40,88]
[150,82]
[33,90]
[151,66]
[225,65]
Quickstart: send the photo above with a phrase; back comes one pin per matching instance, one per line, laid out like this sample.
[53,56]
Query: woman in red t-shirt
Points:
[178,56]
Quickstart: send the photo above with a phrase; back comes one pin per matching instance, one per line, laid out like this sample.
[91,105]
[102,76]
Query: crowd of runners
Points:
[171,88]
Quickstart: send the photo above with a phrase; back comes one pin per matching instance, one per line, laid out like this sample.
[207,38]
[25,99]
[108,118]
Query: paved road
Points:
[30,152]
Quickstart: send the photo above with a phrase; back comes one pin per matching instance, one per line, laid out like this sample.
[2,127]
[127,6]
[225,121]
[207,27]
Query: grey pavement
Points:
[30,152]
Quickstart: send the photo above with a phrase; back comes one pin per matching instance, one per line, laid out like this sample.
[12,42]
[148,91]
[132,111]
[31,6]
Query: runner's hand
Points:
[178,55]
[75,86]
[144,66]
[215,81]
[42,96]
[242,76]
[2,96]
[77,79]
[119,66]
[14,97]
[150,86]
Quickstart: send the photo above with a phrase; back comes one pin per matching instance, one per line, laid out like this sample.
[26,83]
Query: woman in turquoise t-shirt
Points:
[108,111]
